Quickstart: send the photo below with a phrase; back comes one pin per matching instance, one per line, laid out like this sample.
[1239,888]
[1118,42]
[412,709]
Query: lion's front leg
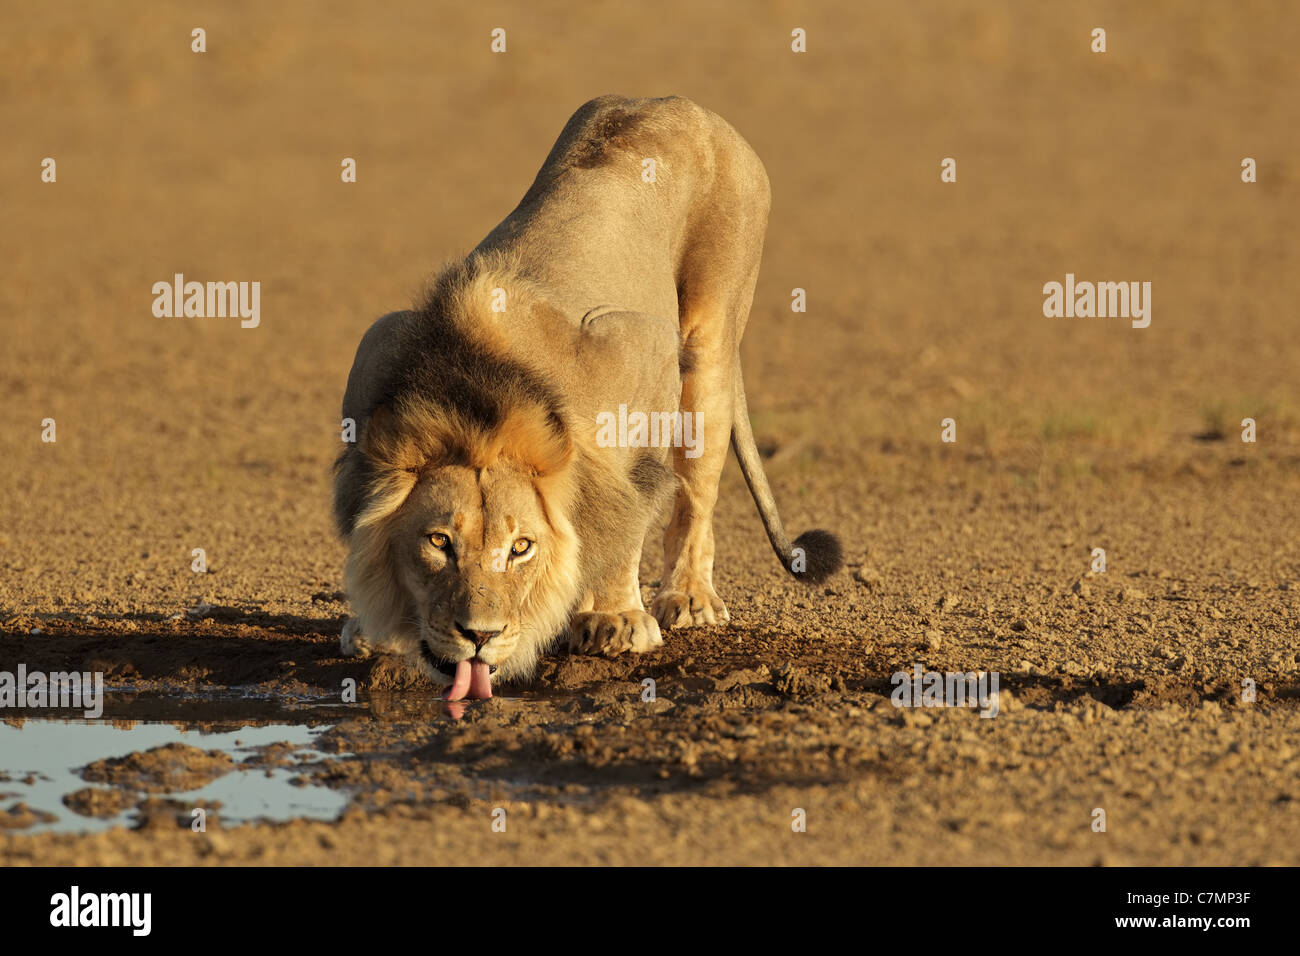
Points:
[352,642]
[614,620]
[355,642]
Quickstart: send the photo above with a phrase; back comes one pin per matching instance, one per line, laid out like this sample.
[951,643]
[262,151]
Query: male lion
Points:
[486,508]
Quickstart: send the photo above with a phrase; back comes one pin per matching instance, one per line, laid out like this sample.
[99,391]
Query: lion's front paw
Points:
[602,632]
[698,604]
[352,642]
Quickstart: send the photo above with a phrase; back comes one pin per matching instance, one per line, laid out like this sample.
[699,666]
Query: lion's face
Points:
[476,554]
[456,502]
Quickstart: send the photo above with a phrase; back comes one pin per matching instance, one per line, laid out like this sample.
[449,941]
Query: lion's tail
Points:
[814,555]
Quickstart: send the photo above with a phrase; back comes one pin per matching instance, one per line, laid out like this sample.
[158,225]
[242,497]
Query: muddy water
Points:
[42,761]
[241,755]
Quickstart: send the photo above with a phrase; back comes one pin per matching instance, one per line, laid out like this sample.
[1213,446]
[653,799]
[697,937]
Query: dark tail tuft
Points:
[818,554]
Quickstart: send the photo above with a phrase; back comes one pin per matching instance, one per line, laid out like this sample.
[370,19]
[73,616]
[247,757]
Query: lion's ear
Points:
[559,450]
[388,440]
[538,438]
[377,439]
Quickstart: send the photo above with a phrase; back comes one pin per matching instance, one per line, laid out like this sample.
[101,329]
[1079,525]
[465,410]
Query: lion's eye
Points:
[521,547]
[439,540]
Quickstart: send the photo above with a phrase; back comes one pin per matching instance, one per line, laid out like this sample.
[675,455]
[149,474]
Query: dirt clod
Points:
[167,768]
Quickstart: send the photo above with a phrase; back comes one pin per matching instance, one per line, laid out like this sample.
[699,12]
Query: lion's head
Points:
[479,515]
[455,504]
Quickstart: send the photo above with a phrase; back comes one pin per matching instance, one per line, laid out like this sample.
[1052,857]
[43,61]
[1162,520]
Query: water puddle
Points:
[40,763]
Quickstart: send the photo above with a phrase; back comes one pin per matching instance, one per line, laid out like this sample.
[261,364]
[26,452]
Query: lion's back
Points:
[647,181]
[615,131]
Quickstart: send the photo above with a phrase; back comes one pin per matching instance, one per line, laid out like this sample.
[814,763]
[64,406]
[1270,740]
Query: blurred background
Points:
[924,298]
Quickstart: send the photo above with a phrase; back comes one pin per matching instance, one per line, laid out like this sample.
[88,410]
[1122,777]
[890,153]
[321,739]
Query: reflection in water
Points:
[40,760]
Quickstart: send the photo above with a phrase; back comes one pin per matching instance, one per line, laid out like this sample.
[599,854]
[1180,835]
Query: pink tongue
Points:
[472,680]
[480,681]
[461,682]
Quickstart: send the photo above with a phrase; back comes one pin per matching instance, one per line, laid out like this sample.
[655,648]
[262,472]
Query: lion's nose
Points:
[475,637]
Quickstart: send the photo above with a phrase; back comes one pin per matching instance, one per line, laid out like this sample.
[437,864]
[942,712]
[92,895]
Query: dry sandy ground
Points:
[1125,688]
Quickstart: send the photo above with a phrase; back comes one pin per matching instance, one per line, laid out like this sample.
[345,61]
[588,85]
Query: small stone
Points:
[792,681]
[199,611]
[214,843]
[869,577]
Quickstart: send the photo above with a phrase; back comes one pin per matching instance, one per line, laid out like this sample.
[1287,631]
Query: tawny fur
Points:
[476,411]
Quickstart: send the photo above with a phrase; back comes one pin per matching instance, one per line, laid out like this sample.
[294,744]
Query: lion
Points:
[520,429]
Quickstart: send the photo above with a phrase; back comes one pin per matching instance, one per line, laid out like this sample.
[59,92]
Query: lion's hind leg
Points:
[686,596]
[716,278]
